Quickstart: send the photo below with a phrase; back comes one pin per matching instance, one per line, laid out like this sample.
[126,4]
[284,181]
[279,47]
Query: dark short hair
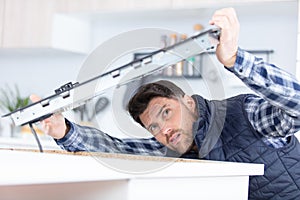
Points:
[139,102]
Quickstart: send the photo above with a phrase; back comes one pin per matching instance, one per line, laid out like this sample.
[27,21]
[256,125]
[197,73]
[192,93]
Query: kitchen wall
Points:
[263,27]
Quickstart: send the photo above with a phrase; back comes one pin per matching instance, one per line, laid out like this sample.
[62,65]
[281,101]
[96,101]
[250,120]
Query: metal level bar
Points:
[72,95]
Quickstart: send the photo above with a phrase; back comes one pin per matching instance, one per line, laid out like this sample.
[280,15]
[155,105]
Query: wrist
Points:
[230,62]
[68,127]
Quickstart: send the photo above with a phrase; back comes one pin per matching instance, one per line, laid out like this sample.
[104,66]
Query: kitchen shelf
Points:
[164,72]
[256,52]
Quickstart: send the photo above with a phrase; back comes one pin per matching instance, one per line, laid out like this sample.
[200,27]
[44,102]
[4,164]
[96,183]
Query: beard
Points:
[184,141]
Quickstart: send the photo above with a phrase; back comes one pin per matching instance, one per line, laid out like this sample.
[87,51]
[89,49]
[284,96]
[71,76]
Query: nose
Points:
[166,130]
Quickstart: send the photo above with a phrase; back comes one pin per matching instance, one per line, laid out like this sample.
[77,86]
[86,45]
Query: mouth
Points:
[175,138]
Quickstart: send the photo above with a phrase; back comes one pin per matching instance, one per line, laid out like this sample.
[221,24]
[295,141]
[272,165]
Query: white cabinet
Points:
[51,23]
[1,20]
[72,6]
[32,23]
[150,4]
[219,3]
[28,23]
[115,5]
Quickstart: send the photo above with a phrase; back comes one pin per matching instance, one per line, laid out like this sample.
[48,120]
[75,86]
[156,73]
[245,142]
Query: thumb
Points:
[34,98]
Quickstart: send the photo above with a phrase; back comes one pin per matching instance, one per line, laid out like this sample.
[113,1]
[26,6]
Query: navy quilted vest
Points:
[223,132]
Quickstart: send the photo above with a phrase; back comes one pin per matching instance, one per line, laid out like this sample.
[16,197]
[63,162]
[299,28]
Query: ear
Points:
[189,102]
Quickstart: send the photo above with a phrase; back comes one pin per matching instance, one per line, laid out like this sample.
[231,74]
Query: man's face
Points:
[170,121]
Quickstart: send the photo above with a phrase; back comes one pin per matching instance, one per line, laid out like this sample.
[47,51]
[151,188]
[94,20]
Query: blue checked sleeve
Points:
[83,138]
[275,111]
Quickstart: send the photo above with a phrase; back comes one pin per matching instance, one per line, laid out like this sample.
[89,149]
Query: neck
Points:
[194,147]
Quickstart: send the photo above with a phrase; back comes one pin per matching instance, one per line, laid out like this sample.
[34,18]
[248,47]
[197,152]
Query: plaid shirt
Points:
[274,113]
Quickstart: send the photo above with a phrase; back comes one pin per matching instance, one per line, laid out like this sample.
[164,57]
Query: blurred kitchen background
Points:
[44,44]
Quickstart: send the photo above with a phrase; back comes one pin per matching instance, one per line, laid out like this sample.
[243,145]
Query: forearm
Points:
[82,138]
[273,84]
[76,139]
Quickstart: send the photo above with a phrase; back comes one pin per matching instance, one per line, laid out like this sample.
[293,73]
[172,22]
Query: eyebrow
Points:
[159,112]
[161,109]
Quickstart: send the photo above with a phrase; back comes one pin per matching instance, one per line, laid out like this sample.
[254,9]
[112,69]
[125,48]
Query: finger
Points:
[46,129]
[220,21]
[57,115]
[47,120]
[34,98]
[229,12]
[43,125]
[226,15]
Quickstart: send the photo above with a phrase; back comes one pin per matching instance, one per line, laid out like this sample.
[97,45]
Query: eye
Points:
[153,128]
[166,113]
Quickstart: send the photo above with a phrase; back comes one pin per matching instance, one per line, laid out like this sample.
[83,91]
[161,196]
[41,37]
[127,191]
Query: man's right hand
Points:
[55,125]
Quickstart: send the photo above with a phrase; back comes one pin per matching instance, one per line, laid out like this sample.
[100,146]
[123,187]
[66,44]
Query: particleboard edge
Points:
[111,155]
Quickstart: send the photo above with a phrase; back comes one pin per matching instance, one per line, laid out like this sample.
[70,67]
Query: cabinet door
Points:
[1,21]
[116,5]
[27,23]
[150,4]
[95,5]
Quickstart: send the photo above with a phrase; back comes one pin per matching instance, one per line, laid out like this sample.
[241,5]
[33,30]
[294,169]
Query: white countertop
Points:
[18,167]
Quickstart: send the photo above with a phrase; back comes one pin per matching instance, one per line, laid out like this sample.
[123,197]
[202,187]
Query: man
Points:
[245,128]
